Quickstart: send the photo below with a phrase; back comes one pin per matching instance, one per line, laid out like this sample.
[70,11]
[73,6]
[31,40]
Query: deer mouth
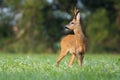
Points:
[67,28]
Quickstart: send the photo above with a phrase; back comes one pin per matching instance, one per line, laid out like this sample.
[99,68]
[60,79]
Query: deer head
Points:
[75,21]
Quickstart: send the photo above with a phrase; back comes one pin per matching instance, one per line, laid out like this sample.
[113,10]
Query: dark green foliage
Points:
[41,26]
[97,29]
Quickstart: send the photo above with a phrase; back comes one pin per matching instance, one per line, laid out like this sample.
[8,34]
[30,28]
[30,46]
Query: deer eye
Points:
[72,23]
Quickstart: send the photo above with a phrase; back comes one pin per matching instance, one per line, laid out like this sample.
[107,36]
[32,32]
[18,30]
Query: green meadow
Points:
[42,67]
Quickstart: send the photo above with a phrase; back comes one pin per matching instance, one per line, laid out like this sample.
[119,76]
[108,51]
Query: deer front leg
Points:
[61,56]
[80,59]
[71,60]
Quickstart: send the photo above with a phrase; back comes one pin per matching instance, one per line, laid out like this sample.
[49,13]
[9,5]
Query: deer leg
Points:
[61,56]
[80,59]
[71,60]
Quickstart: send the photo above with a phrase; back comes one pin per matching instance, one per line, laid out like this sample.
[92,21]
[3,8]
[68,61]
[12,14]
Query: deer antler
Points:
[75,12]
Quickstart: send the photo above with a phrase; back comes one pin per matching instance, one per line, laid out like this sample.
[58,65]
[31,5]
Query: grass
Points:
[42,67]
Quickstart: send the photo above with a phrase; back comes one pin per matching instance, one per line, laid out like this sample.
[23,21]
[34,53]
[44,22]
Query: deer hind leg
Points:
[61,56]
[80,59]
[71,60]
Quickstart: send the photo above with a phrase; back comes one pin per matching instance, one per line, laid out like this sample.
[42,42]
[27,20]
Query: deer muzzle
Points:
[66,27]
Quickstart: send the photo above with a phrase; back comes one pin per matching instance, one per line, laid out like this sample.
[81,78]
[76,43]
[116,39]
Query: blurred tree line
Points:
[37,25]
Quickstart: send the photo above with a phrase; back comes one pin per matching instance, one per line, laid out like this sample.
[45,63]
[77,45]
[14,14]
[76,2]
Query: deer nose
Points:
[66,27]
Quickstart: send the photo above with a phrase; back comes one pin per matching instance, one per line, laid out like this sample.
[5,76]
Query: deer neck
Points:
[79,34]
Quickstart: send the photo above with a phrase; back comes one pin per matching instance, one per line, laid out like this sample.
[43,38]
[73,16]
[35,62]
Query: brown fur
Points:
[75,44]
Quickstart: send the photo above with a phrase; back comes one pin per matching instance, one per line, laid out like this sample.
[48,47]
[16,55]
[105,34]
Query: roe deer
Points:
[75,44]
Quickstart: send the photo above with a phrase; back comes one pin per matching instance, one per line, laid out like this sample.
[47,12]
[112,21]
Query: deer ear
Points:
[78,16]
